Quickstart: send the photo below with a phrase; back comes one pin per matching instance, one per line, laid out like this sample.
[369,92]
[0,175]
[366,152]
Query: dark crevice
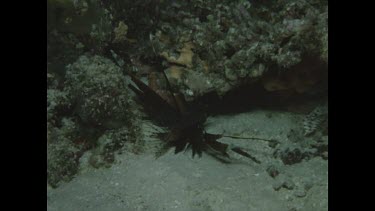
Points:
[254,96]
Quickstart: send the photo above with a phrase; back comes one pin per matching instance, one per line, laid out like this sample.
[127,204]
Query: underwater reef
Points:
[204,47]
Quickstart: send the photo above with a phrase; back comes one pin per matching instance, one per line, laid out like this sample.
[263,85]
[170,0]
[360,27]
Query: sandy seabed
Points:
[179,182]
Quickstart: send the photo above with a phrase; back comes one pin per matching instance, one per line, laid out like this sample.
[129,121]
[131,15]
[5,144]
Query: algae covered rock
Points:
[62,154]
[62,164]
[97,86]
[112,142]
[240,41]
[93,112]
